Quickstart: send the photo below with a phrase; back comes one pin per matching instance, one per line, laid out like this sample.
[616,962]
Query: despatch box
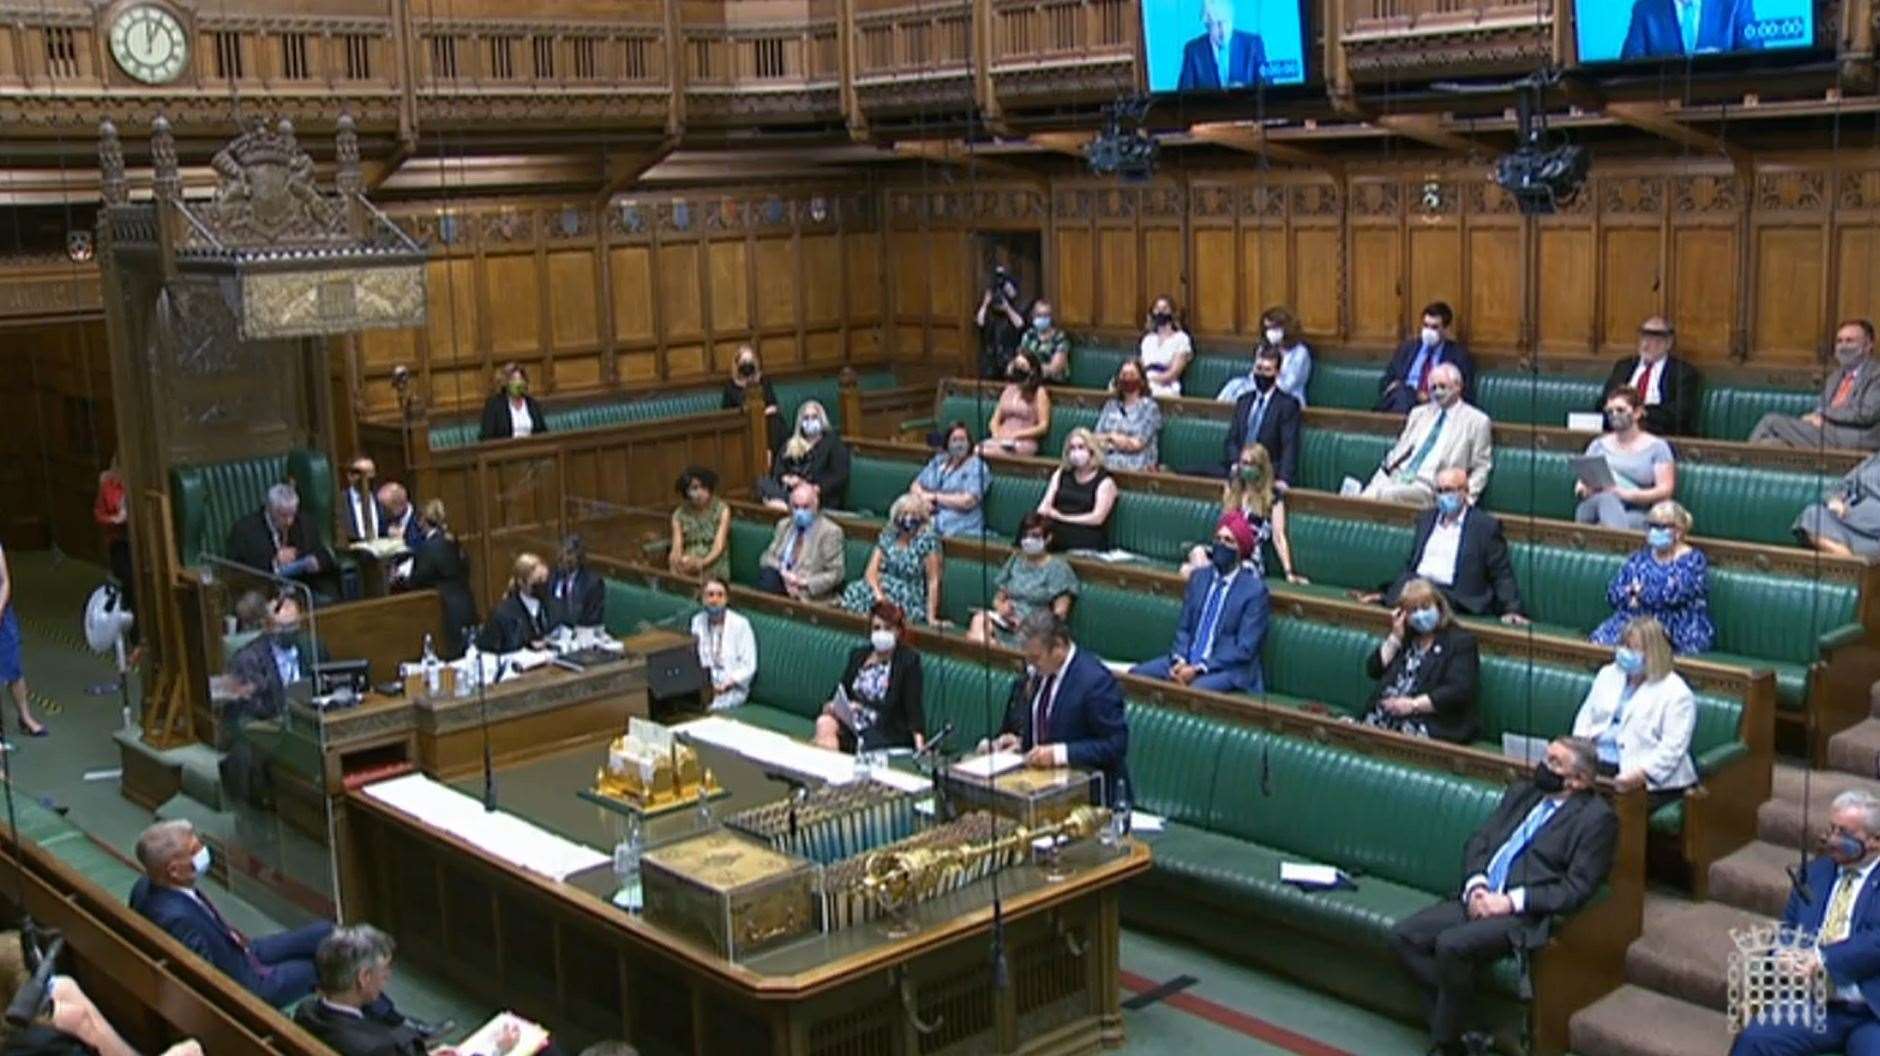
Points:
[729,893]
[1031,797]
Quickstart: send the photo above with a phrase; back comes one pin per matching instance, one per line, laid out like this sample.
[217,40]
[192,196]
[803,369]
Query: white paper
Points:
[1593,470]
[1140,821]
[842,707]
[1301,873]
[1113,556]
[528,659]
[483,1042]
[1526,749]
[502,836]
[1118,667]
[901,779]
[991,764]
[772,749]
[380,548]
[1586,421]
[1350,488]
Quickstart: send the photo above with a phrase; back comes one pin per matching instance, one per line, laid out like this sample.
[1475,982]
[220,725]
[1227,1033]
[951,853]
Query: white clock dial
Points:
[149,43]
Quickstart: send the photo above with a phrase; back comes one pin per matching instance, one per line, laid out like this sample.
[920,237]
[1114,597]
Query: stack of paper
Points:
[989,765]
[532,1038]
[780,752]
[502,836]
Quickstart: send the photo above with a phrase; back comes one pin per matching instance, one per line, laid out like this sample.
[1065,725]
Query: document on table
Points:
[500,835]
[989,765]
[1309,875]
[1593,470]
[533,1038]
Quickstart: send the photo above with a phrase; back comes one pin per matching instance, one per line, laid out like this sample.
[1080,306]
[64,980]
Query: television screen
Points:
[1624,30]
[1209,45]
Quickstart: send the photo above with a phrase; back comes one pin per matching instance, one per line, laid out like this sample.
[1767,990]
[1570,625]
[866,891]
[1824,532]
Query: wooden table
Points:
[560,952]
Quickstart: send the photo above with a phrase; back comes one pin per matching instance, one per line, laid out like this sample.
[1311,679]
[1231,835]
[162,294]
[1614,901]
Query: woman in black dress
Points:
[1426,670]
[814,455]
[439,564]
[883,684]
[1080,497]
[510,411]
[746,371]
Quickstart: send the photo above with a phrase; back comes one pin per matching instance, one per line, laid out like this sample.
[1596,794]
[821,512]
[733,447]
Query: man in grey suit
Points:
[1848,413]
[804,559]
[1445,433]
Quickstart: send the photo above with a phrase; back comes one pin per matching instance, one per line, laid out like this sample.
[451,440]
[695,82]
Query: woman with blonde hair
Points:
[439,563]
[1667,579]
[1426,670]
[520,620]
[813,455]
[1640,714]
[1250,489]
[1080,497]
[904,567]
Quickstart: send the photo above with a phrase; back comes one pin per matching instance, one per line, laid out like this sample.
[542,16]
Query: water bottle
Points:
[472,672]
[433,670]
[1119,815]
[627,864]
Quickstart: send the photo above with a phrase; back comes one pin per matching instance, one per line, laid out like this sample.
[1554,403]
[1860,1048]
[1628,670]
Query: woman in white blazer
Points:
[1639,714]
[727,649]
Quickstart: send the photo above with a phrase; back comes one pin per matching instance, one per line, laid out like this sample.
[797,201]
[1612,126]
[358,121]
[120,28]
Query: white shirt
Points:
[1439,551]
[1849,992]
[531,604]
[1654,393]
[728,651]
[1159,351]
[365,514]
[520,422]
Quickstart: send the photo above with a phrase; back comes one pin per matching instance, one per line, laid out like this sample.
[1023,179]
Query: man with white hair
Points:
[1836,903]
[280,539]
[1443,433]
[1222,56]
[401,519]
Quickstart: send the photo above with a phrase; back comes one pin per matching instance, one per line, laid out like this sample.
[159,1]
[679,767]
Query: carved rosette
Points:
[1799,191]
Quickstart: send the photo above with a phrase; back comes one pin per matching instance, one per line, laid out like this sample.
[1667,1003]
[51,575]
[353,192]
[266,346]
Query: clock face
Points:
[149,43]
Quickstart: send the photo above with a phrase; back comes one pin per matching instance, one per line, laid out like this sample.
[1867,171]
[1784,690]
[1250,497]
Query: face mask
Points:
[1079,457]
[1128,386]
[1274,335]
[517,388]
[201,860]
[803,517]
[1618,421]
[1448,502]
[909,525]
[1423,621]
[883,641]
[1843,848]
[1163,318]
[1019,374]
[714,610]
[1546,780]
[539,590]
[1849,354]
[286,637]
[1631,661]
[697,496]
[958,448]
[746,369]
[1032,544]
[1041,323]
[1223,557]
[1265,382]
[1250,474]
[1431,336]
[1658,537]
[1441,393]
[812,427]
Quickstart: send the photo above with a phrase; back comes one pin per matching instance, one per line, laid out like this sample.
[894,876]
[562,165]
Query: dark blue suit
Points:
[1279,433]
[411,536]
[1233,664]
[356,531]
[1086,716]
[1246,62]
[1722,25]
[1855,1029]
[1400,399]
[277,968]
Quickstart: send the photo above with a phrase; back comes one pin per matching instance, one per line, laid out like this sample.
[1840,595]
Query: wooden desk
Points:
[561,953]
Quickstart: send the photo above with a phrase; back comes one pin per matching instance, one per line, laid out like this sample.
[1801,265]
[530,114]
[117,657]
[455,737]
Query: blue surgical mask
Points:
[908,525]
[1658,537]
[1448,502]
[1223,557]
[714,611]
[803,516]
[1844,848]
[1631,661]
[812,427]
[1041,323]
[1423,621]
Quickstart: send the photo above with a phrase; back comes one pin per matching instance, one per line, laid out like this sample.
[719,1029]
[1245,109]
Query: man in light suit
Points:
[1848,414]
[1688,27]
[1224,617]
[1539,857]
[1068,709]
[1411,371]
[1267,416]
[1222,56]
[805,556]
[1461,550]
[1837,903]
[1438,435]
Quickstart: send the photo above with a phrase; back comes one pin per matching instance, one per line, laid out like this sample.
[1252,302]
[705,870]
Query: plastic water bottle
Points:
[433,670]
[1119,815]
[474,660]
[627,865]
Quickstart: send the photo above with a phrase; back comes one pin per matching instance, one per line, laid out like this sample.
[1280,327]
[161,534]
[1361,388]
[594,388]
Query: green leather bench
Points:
[206,498]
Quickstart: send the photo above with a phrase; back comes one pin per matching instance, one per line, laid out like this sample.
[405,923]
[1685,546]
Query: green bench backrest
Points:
[1008,500]
[797,665]
[626,606]
[1207,374]
[1192,444]
[1514,397]
[1172,759]
[1729,413]
[1756,505]
[1162,527]
[1531,483]
[207,498]
[1094,365]
[1352,386]
[874,484]
[967,694]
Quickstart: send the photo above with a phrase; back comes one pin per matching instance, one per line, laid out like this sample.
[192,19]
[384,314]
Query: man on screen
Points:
[1688,27]
[1221,57]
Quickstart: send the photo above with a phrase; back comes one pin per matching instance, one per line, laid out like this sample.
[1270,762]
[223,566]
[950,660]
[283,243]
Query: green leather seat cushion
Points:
[207,498]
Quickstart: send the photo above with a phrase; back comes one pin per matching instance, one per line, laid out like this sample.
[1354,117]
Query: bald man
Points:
[1222,56]
[1672,388]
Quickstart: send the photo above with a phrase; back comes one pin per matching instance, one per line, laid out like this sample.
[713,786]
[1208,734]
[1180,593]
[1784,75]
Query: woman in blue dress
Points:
[10,672]
[1668,580]
[954,485]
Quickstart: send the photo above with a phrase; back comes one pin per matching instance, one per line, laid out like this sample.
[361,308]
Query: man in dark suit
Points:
[1406,380]
[280,539]
[363,514]
[1462,551]
[1539,857]
[277,968]
[1222,56]
[576,596]
[1223,621]
[401,518]
[1068,709]
[1838,904]
[276,659]
[1688,27]
[1266,416]
[350,1012]
[1671,387]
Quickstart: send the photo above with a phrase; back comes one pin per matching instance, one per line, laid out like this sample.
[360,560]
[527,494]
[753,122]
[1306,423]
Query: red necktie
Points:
[233,932]
[1845,390]
[1644,382]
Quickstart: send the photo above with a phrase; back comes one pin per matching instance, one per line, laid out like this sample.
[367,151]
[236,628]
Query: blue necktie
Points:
[1256,416]
[1415,378]
[1687,24]
[1503,861]
[1199,649]
[789,548]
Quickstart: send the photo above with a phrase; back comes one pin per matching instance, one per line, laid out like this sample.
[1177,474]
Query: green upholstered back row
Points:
[1730,502]
[790,395]
[1763,619]
[207,498]
[1727,412]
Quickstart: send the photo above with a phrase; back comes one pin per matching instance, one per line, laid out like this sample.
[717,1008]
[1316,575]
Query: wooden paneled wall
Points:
[1753,267]
[642,292]
[55,381]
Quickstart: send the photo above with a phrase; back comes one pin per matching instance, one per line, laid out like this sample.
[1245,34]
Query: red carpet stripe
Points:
[1235,1020]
